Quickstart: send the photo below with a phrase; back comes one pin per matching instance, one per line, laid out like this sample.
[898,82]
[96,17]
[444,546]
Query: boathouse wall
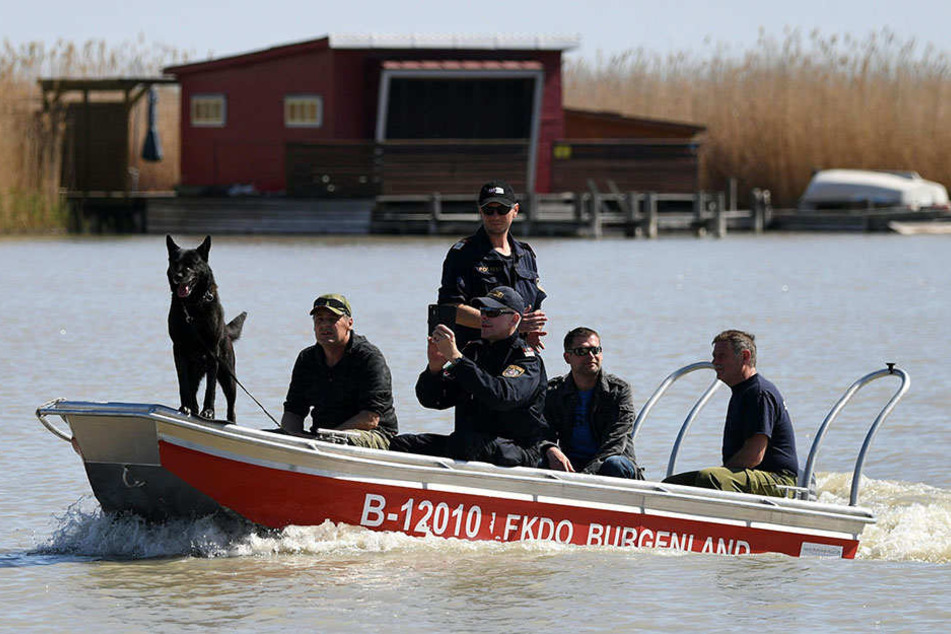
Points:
[251,144]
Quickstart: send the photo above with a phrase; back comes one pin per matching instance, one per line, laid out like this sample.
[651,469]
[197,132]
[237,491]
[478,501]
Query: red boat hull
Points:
[278,497]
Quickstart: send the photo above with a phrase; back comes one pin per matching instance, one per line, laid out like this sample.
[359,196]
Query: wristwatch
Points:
[449,365]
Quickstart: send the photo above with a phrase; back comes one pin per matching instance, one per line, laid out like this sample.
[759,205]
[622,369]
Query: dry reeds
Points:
[786,108]
[31,139]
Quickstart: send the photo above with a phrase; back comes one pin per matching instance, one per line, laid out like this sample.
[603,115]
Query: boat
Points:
[936,226]
[154,461]
[838,189]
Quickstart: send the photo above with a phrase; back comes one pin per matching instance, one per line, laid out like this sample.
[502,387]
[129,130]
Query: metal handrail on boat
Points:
[694,411]
[805,477]
[49,408]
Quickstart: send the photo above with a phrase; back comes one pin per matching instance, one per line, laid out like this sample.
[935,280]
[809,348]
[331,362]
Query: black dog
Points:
[201,341]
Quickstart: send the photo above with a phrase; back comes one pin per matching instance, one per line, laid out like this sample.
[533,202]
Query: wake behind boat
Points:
[156,462]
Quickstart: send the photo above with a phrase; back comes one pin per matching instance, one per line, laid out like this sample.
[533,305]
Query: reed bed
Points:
[31,140]
[787,107]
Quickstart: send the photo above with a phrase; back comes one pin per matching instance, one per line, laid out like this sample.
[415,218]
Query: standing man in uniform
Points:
[759,444]
[489,258]
[497,385]
[591,413]
[343,381]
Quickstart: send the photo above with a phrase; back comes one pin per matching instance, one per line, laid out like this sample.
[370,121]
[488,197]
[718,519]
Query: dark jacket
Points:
[473,267]
[359,381]
[611,416]
[497,388]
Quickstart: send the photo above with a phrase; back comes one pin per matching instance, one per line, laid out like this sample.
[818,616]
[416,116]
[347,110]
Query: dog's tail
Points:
[235,325]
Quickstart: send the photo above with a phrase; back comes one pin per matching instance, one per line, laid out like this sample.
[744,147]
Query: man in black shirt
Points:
[497,385]
[759,444]
[489,258]
[343,382]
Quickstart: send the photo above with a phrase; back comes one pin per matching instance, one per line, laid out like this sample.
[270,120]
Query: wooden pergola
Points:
[97,145]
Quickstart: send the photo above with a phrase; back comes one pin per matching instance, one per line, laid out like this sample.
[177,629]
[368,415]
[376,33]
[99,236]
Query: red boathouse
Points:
[367,116]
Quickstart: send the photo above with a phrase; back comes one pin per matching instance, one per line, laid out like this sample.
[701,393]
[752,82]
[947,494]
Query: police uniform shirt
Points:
[497,388]
[473,267]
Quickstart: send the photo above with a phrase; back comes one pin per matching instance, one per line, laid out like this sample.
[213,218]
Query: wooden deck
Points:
[257,215]
[585,214]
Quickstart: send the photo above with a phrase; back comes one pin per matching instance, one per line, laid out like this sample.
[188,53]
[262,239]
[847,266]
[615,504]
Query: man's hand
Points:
[442,348]
[532,328]
[558,461]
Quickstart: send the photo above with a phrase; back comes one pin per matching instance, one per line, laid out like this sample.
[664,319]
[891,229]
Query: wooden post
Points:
[650,208]
[732,184]
[436,213]
[699,215]
[596,215]
[721,215]
[530,214]
[631,224]
[758,209]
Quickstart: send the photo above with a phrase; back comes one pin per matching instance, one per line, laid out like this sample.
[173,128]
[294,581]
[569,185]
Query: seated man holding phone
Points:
[497,385]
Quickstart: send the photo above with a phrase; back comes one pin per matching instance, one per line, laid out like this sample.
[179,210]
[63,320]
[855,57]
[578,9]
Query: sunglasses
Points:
[495,209]
[583,351]
[492,313]
[332,302]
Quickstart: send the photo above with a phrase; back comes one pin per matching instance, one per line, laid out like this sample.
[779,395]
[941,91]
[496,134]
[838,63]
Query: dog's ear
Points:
[173,248]
[204,248]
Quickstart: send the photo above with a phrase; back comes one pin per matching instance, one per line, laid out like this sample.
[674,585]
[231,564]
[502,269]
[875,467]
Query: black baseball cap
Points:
[497,191]
[501,297]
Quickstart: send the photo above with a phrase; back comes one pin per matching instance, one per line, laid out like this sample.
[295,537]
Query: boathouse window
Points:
[208,111]
[303,111]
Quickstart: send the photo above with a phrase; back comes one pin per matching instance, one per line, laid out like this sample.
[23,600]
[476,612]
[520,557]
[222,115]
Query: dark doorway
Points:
[460,108]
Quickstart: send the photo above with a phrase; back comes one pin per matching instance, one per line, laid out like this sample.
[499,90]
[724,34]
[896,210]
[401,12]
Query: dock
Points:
[594,213]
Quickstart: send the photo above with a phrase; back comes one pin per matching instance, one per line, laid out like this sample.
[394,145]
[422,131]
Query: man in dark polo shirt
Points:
[489,258]
[759,444]
[343,381]
[497,385]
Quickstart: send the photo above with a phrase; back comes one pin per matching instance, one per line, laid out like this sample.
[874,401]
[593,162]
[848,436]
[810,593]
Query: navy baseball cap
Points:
[497,191]
[501,297]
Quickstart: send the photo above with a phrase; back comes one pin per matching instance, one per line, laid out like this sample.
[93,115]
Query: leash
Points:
[208,349]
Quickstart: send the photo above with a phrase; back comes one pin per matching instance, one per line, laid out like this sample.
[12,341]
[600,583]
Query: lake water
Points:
[85,318]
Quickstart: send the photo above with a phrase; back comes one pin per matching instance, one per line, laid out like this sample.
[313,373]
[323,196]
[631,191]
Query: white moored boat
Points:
[154,461]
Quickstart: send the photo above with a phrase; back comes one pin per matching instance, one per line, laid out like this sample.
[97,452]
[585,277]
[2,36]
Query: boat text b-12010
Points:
[159,463]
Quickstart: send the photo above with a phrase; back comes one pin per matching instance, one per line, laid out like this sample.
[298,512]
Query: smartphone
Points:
[441,314]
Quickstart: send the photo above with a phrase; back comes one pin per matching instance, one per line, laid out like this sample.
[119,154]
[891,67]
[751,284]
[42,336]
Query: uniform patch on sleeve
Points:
[513,371]
[528,351]
[459,245]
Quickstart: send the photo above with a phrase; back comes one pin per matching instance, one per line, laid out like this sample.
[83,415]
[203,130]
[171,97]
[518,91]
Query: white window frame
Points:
[290,101]
[208,98]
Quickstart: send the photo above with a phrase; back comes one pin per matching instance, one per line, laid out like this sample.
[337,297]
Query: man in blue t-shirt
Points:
[759,444]
[591,413]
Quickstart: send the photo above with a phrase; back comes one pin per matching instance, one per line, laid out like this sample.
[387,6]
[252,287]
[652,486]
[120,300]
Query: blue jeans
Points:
[618,467]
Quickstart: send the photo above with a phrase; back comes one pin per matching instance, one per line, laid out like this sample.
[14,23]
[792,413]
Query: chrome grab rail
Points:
[49,408]
[805,477]
[694,411]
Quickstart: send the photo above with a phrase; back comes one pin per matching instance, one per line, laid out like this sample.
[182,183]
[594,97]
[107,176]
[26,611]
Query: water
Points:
[85,319]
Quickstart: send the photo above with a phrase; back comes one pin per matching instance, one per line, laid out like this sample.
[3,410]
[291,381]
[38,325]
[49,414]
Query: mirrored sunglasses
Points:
[583,351]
